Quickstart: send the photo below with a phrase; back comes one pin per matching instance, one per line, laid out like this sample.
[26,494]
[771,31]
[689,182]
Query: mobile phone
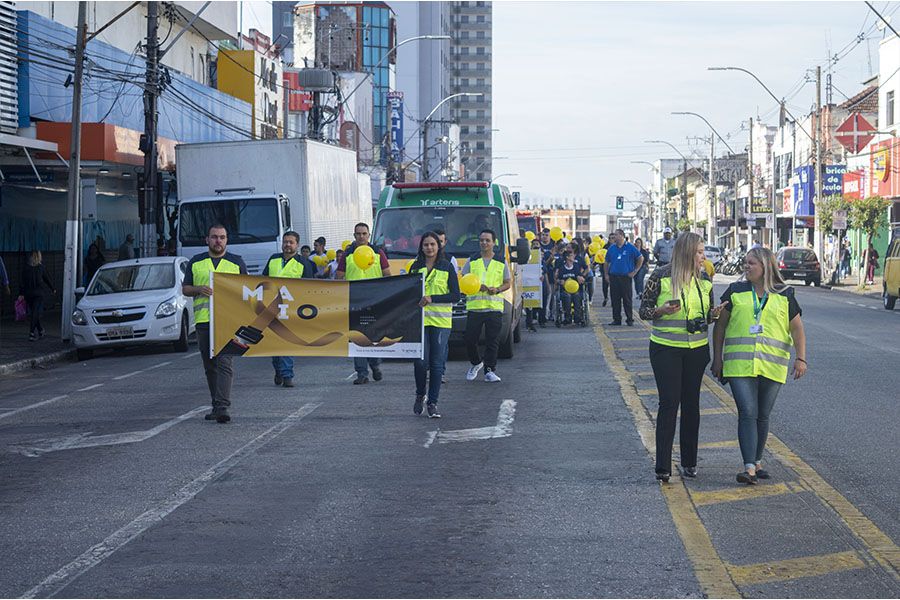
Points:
[673,303]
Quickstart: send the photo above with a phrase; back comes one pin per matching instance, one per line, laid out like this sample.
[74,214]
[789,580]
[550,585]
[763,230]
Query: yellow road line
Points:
[713,445]
[704,412]
[745,492]
[795,568]
[648,392]
[710,569]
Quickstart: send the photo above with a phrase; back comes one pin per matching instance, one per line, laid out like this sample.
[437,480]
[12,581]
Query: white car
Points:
[713,254]
[134,302]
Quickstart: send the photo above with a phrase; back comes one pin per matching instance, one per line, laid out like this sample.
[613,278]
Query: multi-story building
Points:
[471,73]
[661,171]
[254,74]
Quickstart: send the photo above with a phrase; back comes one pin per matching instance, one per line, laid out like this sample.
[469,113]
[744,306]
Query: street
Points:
[115,486]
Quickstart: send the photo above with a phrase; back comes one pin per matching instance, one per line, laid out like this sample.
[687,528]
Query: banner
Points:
[531,285]
[269,316]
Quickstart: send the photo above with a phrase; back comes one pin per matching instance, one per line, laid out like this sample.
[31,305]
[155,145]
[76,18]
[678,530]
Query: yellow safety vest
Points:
[492,277]
[200,271]
[671,330]
[766,354]
[436,284]
[354,273]
[292,270]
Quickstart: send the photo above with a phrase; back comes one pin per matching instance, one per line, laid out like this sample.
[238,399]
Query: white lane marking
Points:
[90,387]
[191,355]
[127,375]
[350,376]
[162,364]
[502,429]
[93,556]
[873,307]
[86,440]
[32,406]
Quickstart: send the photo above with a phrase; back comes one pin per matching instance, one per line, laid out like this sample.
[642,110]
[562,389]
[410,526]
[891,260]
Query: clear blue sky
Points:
[578,86]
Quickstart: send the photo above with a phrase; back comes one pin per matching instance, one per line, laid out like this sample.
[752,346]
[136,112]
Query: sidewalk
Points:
[18,353]
[850,284]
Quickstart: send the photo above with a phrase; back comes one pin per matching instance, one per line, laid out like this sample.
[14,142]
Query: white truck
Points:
[259,189]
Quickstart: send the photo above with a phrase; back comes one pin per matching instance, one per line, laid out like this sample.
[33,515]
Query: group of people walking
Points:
[755,327]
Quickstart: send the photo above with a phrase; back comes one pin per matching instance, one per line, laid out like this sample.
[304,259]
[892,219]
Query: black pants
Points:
[678,373]
[35,306]
[620,286]
[492,322]
[605,285]
[219,371]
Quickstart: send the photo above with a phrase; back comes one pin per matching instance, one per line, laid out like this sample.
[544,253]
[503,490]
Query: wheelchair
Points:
[559,310]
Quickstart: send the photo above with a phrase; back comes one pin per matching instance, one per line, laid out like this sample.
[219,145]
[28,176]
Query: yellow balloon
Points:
[409,265]
[331,254]
[364,257]
[597,239]
[556,234]
[600,256]
[529,235]
[345,243]
[594,248]
[571,286]
[710,268]
[469,284]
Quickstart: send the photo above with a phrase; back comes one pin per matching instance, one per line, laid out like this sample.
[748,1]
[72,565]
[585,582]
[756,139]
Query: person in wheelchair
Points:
[569,269]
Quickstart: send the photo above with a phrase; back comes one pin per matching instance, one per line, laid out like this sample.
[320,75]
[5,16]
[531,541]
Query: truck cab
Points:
[891,290]
[255,223]
[462,209]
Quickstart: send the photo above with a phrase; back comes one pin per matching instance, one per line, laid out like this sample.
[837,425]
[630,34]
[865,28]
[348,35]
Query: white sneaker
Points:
[491,377]
[473,371]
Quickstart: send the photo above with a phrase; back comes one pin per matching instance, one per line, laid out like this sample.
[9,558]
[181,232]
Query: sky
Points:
[579,86]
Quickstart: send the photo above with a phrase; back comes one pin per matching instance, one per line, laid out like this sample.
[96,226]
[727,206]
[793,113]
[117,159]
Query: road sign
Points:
[855,133]
[839,219]
[620,202]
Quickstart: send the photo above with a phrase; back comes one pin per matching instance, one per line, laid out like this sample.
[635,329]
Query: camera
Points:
[698,325]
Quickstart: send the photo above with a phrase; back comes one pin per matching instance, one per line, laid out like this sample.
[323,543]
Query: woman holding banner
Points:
[441,293]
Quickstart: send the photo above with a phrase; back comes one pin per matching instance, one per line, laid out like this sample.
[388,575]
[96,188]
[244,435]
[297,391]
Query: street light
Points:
[712,226]
[424,126]
[649,202]
[504,175]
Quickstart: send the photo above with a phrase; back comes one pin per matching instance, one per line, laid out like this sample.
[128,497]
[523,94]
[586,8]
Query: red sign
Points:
[883,163]
[298,100]
[855,133]
[853,185]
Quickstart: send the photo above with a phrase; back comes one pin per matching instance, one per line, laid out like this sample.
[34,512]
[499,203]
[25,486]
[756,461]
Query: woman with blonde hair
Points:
[752,345]
[31,289]
[678,301]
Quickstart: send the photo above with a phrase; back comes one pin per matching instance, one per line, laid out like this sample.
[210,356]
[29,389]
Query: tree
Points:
[684,225]
[826,211]
[867,214]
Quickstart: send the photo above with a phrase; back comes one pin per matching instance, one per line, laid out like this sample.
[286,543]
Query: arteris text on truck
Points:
[304,311]
[439,202]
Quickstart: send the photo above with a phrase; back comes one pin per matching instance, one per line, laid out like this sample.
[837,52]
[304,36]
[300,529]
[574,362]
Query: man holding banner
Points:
[197,284]
[286,265]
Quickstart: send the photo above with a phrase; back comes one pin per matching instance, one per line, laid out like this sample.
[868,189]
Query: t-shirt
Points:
[622,260]
[745,286]
[189,272]
[466,269]
[663,250]
[564,272]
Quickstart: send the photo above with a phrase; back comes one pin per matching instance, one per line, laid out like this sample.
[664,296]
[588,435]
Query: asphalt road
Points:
[331,489]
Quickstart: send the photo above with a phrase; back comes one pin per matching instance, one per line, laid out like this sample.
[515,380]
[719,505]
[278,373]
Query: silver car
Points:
[134,302]
[713,254]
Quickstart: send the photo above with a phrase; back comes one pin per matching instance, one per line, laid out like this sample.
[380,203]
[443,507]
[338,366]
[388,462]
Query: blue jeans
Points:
[284,366]
[639,281]
[362,364]
[436,342]
[755,397]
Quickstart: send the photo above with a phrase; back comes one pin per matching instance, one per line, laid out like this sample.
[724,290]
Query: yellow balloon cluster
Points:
[556,234]
[331,255]
[345,243]
[364,257]
[600,256]
[594,248]
[469,284]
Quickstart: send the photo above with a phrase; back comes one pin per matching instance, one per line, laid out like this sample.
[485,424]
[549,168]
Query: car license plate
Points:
[119,332]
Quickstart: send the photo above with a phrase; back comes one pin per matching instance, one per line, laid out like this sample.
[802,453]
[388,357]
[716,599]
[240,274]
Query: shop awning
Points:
[25,144]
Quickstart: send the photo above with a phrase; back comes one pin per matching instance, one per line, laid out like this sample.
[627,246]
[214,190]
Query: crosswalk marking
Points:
[795,568]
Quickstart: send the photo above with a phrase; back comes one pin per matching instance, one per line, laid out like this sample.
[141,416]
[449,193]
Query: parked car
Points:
[800,263]
[713,254]
[891,289]
[133,302]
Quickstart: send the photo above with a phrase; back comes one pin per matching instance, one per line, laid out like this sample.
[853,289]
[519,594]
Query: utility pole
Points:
[150,193]
[684,197]
[425,157]
[817,244]
[72,271]
[712,219]
[752,196]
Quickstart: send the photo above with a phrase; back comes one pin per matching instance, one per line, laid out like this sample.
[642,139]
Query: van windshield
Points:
[246,220]
[398,230]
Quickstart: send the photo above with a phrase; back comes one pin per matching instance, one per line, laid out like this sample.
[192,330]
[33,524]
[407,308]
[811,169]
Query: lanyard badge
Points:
[758,306]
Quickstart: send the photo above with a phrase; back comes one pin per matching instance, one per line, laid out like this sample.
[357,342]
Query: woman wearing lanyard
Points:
[678,300]
[752,349]
[441,293]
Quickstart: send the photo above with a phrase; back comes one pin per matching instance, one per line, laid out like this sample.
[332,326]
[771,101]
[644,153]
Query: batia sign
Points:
[395,99]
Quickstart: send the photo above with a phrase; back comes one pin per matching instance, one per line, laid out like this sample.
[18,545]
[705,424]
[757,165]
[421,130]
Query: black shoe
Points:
[376,374]
[745,477]
[762,474]
[360,380]
[629,323]
[210,416]
[605,301]
[223,417]
[689,472]
[532,328]
[288,382]
[664,477]
[432,411]
[278,379]
[417,405]
[615,324]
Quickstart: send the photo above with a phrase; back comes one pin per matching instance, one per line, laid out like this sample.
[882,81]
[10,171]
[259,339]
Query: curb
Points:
[851,290]
[31,363]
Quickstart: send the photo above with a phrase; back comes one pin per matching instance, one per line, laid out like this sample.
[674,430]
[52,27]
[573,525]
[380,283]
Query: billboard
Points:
[803,191]
[833,181]
[853,185]
[883,165]
[395,100]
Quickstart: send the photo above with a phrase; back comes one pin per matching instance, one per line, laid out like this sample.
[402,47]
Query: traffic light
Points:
[620,202]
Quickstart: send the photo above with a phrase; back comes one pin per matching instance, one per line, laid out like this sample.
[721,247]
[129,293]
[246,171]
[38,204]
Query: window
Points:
[481,66]
[479,35]
[464,50]
[480,18]
[479,50]
[464,129]
[479,145]
[479,129]
[464,34]
[464,19]
[889,107]
[464,114]
[480,81]
[464,81]
[479,114]
[287,19]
